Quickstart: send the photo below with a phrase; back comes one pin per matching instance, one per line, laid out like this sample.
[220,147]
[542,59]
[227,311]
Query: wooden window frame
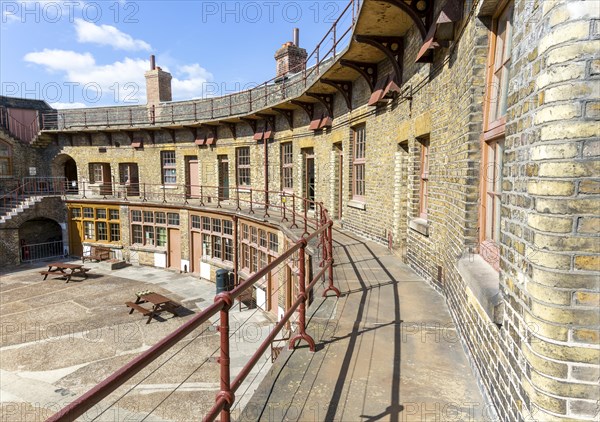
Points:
[494,127]
[492,139]
[287,166]
[102,168]
[7,158]
[243,170]
[168,163]
[157,220]
[424,178]
[90,215]
[359,146]
[213,227]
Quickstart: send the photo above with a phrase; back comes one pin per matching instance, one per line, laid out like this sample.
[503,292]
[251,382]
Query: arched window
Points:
[5,159]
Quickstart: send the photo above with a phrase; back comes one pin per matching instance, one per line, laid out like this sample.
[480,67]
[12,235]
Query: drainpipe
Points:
[235,250]
[266,141]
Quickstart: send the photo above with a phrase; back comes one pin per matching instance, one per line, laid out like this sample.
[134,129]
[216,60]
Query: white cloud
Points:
[89,32]
[61,106]
[61,59]
[192,86]
[120,81]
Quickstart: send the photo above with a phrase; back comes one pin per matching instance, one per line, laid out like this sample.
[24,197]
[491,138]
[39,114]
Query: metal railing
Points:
[321,230]
[17,129]
[31,186]
[265,95]
[41,251]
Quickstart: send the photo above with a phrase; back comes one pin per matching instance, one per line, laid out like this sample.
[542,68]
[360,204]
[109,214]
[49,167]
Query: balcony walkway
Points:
[386,350]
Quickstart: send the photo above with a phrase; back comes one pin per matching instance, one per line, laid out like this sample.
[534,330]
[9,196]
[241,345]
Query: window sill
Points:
[148,249]
[359,205]
[104,245]
[483,283]
[169,186]
[419,225]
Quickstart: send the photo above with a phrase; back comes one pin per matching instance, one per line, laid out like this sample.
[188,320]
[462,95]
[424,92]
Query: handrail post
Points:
[330,262]
[144,189]
[282,199]
[201,197]
[83,188]
[305,217]
[224,361]
[218,197]
[164,194]
[237,198]
[294,225]
[251,202]
[302,296]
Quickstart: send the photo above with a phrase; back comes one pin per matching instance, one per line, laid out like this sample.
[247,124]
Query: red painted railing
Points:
[320,226]
[267,94]
[31,186]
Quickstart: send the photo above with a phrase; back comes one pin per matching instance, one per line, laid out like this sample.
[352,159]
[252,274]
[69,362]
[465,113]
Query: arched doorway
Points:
[71,175]
[64,166]
[40,238]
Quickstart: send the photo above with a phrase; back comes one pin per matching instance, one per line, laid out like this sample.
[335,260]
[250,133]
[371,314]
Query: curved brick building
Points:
[461,133]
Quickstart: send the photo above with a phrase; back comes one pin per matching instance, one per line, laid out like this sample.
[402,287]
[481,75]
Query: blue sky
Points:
[94,53]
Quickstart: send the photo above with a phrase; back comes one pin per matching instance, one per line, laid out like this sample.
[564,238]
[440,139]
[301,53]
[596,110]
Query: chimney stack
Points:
[158,84]
[290,57]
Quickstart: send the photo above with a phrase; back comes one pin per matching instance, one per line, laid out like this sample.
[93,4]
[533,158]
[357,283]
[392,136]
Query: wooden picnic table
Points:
[160,303]
[64,270]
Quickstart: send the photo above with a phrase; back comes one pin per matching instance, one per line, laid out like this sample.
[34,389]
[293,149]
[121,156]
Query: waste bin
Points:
[224,281]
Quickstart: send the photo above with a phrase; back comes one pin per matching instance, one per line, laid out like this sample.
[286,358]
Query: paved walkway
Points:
[386,350]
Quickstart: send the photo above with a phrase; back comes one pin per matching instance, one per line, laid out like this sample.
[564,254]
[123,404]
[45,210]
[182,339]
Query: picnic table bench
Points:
[66,271]
[160,303]
[97,253]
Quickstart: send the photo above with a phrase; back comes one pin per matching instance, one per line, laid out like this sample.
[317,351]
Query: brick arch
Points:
[63,165]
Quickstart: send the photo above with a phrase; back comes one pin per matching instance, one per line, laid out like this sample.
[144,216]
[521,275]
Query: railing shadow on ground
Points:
[395,408]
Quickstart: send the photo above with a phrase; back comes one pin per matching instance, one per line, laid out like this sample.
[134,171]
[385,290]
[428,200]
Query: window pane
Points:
[4,167]
[136,216]
[273,242]
[161,237]
[114,214]
[137,234]
[149,235]
[196,222]
[101,231]
[88,230]
[148,217]
[160,218]
[206,246]
[216,225]
[227,227]
[228,246]
[206,224]
[173,219]
[115,232]
[216,241]
[75,212]
[88,213]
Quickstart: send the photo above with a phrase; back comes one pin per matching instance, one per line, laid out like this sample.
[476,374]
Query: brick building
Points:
[463,134]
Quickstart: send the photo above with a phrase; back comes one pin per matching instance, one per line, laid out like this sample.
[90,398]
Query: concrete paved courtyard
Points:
[58,340]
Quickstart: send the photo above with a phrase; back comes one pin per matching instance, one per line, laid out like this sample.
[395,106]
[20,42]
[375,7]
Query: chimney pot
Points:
[297,37]
[152,62]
